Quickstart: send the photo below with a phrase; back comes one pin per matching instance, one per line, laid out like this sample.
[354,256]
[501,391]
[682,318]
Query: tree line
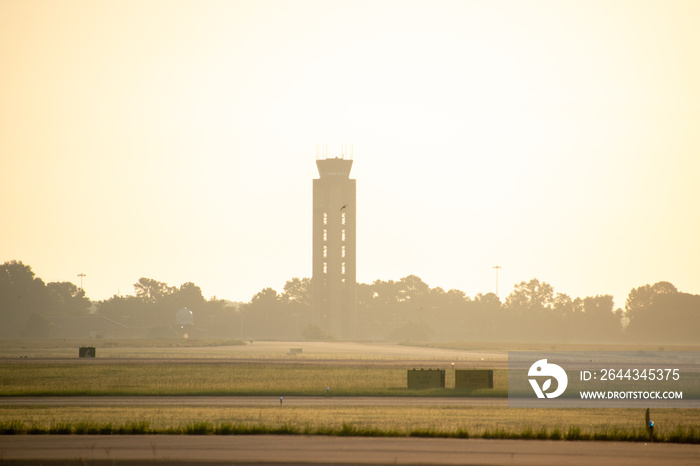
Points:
[25,301]
[402,310]
[410,310]
[154,305]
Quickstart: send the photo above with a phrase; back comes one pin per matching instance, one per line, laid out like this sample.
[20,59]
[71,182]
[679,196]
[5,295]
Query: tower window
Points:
[342,252]
[325,235]
[325,251]
[342,218]
[342,268]
[325,267]
[342,235]
[325,218]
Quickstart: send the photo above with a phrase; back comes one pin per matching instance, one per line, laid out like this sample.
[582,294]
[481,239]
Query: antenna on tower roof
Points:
[346,151]
[321,151]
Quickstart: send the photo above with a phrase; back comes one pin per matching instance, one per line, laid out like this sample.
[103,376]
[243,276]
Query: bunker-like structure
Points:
[424,379]
[473,379]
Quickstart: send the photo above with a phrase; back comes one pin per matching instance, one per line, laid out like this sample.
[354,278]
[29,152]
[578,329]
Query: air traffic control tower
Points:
[333,280]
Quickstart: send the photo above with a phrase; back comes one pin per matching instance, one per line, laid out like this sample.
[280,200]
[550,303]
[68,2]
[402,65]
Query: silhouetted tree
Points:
[448,314]
[487,318]
[223,317]
[412,288]
[264,315]
[156,304]
[296,297]
[643,297]
[596,320]
[567,309]
[489,302]
[563,304]
[127,310]
[67,299]
[21,295]
[385,302]
[531,296]
[152,291]
[661,314]
[188,295]
[37,327]
[368,323]
[298,291]
[531,311]
[315,333]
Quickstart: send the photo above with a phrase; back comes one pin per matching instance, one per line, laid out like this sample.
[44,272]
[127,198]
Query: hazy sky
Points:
[176,140]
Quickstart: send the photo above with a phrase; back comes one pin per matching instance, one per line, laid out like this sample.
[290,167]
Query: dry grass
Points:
[391,420]
[220,376]
[215,379]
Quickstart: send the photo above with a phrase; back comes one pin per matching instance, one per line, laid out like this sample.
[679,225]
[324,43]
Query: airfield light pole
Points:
[81,275]
[497,267]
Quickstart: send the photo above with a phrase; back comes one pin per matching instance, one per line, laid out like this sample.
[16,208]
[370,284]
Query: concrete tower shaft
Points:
[334,239]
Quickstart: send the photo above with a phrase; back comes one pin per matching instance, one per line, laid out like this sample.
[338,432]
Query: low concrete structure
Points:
[87,352]
[423,379]
[471,379]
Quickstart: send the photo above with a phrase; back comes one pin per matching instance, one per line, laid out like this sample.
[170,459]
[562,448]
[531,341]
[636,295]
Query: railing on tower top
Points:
[345,152]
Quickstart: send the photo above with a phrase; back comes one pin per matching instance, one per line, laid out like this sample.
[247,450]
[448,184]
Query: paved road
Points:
[185,450]
[247,401]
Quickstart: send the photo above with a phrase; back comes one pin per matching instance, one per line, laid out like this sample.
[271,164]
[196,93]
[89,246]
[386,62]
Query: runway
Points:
[219,450]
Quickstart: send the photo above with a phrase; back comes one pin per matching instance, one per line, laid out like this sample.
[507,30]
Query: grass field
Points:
[491,422]
[222,374]
[164,378]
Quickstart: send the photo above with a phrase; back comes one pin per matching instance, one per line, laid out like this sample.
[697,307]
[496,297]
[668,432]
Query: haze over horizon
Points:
[175,140]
